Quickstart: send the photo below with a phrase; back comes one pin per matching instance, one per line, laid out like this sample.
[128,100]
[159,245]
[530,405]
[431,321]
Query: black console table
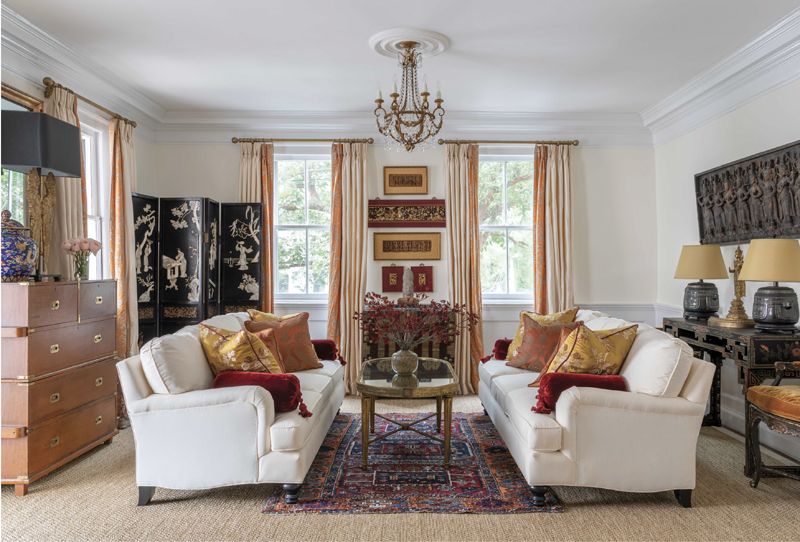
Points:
[753,352]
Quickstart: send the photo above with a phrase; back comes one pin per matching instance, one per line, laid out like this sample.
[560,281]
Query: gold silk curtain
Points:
[552,227]
[348,264]
[464,253]
[69,220]
[257,185]
[122,244]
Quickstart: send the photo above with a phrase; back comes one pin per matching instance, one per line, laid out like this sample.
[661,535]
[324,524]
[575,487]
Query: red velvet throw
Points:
[284,388]
[326,349]
[552,385]
[500,350]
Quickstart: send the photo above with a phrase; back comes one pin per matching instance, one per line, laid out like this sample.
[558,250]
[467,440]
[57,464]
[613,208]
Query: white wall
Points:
[766,122]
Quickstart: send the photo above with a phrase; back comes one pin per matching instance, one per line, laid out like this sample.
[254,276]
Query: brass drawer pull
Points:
[54,348]
[98,420]
[55,398]
[55,305]
[55,441]
[98,300]
[98,338]
[98,381]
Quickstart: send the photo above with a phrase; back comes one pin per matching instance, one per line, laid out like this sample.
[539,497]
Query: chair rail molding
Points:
[765,63]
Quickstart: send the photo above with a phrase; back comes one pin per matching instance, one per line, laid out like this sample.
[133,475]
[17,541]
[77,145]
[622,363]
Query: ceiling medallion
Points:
[409,122]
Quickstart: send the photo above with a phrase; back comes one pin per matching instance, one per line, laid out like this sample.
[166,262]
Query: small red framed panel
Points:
[392,278]
[423,278]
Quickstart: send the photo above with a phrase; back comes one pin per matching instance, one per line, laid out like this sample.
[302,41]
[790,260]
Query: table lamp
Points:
[775,307]
[700,299]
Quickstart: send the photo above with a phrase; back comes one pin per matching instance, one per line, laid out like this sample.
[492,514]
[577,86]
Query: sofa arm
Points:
[629,441]
[194,405]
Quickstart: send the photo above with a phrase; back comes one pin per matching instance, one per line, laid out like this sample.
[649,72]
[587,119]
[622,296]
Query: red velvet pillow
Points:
[284,388]
[500,350]
[553,384]
[326,349]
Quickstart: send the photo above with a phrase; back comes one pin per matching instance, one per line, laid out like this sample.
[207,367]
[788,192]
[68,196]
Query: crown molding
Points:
[767,62]
[31,53]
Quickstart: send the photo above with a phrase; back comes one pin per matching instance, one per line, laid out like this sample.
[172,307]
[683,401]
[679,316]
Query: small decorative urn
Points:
[19,251]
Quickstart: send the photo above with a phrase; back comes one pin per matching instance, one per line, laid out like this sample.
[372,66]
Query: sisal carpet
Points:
[406,474]
[94,498]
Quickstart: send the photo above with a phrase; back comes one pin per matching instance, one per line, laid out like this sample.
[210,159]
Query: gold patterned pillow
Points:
[619,342]
[563,317]
[581,351]
[236,351]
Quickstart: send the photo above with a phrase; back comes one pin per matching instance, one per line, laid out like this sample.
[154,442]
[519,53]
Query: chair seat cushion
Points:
[783,401]
[540,432]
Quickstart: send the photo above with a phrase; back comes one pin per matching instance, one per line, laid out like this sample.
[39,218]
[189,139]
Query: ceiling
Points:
[605,56]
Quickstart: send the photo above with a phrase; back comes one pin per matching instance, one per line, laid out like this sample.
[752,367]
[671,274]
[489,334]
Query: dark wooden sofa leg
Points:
[684,497]
[146,495]
[290,492]
[539,493]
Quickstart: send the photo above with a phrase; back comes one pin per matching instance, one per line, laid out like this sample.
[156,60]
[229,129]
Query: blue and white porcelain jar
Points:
[19,251]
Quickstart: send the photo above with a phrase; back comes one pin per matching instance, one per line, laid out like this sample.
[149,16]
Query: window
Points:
[94,141]
[302,227]
[505,189]
[13,194]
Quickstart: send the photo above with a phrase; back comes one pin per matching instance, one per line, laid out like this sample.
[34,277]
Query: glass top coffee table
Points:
[434,379]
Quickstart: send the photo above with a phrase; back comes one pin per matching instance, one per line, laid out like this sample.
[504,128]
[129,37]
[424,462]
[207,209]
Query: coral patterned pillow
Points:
[236,350]
[563,317]
[539,345]
[293,338]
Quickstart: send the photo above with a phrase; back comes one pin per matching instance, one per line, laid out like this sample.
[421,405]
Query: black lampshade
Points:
[35,140]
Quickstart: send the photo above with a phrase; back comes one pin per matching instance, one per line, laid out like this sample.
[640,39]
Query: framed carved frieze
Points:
[405,180]
[406,213]
[240,233]
[407,246]
[145,226]
[753,198]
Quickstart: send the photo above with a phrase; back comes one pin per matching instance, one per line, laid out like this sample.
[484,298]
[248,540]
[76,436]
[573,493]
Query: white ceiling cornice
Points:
[32,53]
[767,62]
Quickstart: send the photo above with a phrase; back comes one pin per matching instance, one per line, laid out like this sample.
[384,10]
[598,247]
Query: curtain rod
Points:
[297,140]
[499,142]
[49,85]
[21,97]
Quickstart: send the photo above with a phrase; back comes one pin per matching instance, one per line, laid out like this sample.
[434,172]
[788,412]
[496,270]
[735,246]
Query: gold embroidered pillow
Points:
[581,351]
[563,317]
[619,342]
[236,351]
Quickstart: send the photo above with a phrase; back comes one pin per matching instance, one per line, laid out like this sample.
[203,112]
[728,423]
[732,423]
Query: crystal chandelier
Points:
[409,120]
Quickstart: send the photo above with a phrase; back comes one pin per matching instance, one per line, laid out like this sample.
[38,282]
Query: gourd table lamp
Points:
[775,307]
[700,299]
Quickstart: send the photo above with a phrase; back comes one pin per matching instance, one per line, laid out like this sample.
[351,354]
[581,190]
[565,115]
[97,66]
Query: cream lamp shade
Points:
[701,262]
[772,260]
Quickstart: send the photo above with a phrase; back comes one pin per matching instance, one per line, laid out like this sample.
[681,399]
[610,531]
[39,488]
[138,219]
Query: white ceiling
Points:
[312,55]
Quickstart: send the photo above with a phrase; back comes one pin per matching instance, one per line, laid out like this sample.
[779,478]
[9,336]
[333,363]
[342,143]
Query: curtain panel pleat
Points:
[122,242]
[348,241]
[257,185]
[69,219]
[552,226]
[464,253]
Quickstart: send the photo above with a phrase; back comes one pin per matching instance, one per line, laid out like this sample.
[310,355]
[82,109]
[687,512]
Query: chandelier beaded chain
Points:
[409,120]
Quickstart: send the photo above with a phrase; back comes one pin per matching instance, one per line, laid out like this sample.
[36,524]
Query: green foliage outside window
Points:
[13,194]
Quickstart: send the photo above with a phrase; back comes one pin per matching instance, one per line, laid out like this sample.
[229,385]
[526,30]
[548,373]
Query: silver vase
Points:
[405,362]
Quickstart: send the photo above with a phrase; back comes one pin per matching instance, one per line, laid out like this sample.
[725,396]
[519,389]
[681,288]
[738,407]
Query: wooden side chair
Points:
[779,408]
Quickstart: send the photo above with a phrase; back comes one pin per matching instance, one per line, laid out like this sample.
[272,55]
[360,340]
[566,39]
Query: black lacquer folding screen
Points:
[241,256]
[145,223]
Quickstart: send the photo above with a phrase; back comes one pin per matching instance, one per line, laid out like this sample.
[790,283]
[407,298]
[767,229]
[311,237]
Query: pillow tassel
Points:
[303,410]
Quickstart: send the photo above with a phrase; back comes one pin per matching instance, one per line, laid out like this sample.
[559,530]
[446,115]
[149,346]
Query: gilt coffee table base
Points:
[368,415]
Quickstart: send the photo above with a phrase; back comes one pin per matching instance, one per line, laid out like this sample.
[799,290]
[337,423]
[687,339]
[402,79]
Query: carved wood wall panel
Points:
[753,198]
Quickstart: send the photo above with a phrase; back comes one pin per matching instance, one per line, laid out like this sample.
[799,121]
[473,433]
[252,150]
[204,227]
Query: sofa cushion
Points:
[289,431]
[175,364]
[496,367]
[331,369]
[540,432]
[585,315]
[314,381]
[233,321]
[606,322]
[503,385]
[657,364]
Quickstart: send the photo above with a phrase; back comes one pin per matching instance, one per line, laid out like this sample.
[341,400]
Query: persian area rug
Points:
[406,474]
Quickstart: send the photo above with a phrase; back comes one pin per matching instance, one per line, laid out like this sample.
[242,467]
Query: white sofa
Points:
[643,440]
[191,436]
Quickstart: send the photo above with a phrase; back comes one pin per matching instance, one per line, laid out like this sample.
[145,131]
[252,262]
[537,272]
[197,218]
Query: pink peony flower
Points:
[84,244]
[76,246]
[66,245]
